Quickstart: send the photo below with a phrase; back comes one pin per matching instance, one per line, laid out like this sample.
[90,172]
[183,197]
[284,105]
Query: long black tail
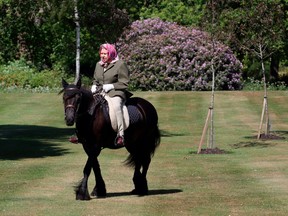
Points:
[151,145]
[156,140]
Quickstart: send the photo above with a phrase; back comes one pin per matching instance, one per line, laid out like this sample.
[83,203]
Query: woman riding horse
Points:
[95,132]
[112,73]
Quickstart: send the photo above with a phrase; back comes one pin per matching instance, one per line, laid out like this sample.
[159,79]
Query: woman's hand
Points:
[93,89]
[108,87]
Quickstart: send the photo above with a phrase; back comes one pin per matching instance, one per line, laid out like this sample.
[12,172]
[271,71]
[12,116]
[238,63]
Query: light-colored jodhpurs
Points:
[118,105]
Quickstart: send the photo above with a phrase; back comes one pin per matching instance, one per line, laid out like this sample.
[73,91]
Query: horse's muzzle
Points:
[69,117]
[69,122]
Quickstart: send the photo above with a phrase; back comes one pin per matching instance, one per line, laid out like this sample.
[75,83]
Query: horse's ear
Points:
[79,83]
[64,83]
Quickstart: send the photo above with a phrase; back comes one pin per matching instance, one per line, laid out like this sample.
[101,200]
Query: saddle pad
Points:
[134,114]
[112,115]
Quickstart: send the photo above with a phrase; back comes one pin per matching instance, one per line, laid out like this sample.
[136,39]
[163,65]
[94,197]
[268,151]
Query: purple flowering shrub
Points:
[165,56]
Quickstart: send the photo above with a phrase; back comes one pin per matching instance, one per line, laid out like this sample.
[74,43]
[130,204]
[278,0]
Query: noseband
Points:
[70,106]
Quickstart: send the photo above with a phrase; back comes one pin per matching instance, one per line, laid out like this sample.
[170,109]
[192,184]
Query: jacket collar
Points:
[107,65]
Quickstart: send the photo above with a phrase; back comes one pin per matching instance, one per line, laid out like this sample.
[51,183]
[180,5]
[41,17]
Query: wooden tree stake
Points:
[205,129]
[264,114]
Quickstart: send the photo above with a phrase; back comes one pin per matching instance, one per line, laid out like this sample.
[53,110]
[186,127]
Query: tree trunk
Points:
[77,74]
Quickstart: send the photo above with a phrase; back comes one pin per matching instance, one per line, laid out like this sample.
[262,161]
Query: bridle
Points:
[72,105]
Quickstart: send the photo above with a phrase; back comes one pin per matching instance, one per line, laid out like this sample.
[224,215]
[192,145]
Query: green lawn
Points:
[39,167]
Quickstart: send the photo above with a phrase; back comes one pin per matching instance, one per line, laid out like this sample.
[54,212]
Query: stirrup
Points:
[73,139]
[119,141]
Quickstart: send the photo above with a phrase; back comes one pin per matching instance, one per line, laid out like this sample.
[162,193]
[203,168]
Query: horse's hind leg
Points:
[139,178]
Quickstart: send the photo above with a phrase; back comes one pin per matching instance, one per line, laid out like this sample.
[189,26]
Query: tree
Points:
[210,115]
[133,7]
[244,23]
[263,39]
[183,12]
[24,32]
[101,21]
[43,32]
[257,28]
[77,77]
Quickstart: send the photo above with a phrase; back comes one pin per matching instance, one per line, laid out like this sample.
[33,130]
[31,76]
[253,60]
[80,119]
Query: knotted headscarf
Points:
[112,53]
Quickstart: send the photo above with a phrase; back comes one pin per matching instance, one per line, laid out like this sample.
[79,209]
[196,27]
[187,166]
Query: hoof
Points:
[99,194]
[80,197]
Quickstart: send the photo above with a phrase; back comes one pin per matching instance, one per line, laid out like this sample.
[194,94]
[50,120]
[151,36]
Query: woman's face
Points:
[104,55]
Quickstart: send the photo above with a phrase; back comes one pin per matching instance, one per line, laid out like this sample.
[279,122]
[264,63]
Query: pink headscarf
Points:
[112,53]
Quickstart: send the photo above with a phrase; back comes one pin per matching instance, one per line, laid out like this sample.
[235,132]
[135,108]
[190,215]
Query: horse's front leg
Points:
[81,189]
[100,188]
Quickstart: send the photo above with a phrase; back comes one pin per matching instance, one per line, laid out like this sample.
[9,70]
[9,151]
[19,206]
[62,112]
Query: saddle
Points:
[131,113]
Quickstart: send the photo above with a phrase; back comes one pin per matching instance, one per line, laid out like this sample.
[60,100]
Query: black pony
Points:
[94,131]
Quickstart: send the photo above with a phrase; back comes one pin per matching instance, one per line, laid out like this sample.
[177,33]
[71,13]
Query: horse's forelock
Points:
[70,91]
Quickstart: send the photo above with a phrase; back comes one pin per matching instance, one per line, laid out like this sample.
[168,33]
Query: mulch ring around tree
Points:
[212,151]
[269,137]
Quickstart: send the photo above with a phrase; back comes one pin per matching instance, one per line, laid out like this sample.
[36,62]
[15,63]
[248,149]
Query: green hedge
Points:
[19,75]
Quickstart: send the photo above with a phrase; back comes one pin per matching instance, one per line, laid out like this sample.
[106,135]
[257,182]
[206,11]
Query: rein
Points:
[99,98]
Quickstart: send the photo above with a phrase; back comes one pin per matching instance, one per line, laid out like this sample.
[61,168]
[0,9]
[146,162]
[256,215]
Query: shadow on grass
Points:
[281,133]
[273,135]
[251,144]
[29,141]
[211,151]
[261,143]
[170,134]
[150,193]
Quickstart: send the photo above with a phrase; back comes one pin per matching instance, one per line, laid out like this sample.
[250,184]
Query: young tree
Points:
[244,23]
[210,116]
[256,27]
[262,40]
